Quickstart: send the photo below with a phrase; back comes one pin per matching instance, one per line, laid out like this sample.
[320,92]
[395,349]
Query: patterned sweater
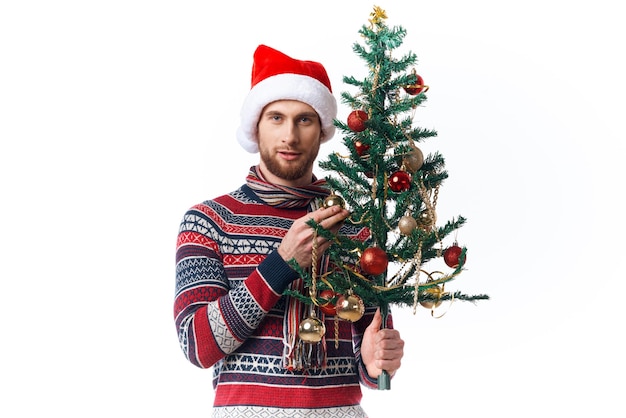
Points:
[229,312]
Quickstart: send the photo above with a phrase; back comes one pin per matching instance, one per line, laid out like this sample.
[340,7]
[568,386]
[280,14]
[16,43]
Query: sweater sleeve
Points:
[212,317]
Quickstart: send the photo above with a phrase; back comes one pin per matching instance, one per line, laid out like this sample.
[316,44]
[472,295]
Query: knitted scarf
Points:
[285,196]
[296,355]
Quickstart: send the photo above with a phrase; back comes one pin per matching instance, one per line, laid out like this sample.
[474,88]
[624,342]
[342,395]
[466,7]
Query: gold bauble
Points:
[407,225]
[334,200]
[311,329]
[426,219]
[414,160]
[435,293]
[350,307]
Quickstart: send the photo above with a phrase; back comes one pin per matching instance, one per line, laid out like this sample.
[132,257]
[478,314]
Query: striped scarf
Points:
[285,196]
[296,355]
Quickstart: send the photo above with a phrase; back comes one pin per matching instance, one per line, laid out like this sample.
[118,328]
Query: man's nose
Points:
[290,135]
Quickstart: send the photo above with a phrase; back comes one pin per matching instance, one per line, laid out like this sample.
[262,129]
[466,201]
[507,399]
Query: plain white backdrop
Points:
[117,116]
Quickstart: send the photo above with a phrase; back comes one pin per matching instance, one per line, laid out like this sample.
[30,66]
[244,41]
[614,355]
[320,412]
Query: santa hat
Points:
[276,76]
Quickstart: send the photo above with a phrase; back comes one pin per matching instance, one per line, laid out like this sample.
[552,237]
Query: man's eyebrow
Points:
[309,114]
[299,115]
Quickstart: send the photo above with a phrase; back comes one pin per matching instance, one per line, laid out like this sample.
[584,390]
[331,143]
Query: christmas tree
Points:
[391,187]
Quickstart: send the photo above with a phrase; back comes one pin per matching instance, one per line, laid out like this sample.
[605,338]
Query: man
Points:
[232,265]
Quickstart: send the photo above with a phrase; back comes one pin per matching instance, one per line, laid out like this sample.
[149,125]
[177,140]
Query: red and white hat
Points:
[276,76]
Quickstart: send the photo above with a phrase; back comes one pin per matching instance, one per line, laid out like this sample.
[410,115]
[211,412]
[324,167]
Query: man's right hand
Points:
[298,241]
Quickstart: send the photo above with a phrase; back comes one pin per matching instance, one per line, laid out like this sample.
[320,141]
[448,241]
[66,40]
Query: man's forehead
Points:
[289,106]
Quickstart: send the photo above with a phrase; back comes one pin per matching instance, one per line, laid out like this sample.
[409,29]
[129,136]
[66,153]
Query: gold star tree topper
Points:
[378,15]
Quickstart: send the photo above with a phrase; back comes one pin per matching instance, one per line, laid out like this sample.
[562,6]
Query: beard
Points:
[288,170]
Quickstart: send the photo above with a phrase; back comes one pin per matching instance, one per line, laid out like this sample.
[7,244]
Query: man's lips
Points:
[289,155]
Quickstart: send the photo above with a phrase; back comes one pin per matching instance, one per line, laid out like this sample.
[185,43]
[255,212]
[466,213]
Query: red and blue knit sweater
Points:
[229,312]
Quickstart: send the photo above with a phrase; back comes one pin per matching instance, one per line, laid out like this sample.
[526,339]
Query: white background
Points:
[117,116]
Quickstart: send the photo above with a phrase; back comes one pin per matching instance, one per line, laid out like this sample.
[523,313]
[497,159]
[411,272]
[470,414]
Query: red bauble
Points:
[361,148]
[356,120]
[400,181]
[374,261]
[328,307]
[452,255]
[417,88]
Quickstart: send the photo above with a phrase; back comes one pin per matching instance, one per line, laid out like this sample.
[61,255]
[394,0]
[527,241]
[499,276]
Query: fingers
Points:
[329,217]
[390,350]
[297,242]
[389,339]
[377,321]
[386,338]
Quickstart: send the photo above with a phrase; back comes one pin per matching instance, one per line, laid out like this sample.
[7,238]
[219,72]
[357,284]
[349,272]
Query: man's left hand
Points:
[382,348]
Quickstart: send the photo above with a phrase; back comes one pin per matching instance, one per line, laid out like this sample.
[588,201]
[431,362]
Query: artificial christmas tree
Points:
[390,186]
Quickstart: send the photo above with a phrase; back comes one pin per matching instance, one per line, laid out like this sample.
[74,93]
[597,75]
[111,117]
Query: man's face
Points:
[289,135]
